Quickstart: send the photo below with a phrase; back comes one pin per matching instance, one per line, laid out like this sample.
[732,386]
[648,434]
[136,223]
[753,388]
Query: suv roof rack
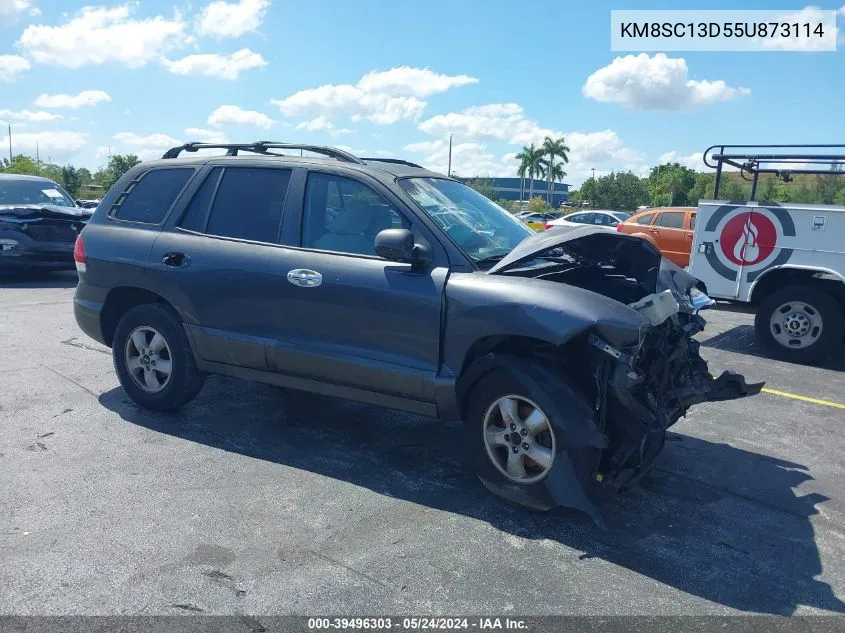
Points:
[750,161]
[261,147]
[394,161]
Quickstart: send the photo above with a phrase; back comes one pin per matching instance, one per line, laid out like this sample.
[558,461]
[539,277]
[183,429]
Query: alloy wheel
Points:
[519,439]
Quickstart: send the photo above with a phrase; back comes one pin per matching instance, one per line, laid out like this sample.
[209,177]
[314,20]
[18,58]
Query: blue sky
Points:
[81,79]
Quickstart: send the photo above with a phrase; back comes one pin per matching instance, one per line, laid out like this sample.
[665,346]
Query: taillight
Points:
[79,254]
[548,226]
[619,227]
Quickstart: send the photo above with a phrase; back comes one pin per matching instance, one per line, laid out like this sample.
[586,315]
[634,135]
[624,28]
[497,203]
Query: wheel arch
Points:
[780,276]
[120,300]
[480,359]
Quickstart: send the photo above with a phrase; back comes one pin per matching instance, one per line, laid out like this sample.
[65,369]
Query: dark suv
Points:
[567,353]
[39,223]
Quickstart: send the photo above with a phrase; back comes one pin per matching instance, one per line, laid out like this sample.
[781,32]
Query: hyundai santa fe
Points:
[567,353]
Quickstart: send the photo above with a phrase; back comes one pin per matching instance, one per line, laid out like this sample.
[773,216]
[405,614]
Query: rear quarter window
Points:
[149,199]
[645,219]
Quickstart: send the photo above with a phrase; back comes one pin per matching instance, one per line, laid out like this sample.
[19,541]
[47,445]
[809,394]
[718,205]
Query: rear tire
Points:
[153,359]
[800,324]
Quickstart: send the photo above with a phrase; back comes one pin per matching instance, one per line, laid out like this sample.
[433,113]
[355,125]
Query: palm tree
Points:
[554,174]
[521,173]
[532,163]
[553,148]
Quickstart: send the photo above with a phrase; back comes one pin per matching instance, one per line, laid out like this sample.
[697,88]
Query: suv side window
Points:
[692,221]
[150,199]
[344,215]
[646,219]
[196,215]
[671,220]
[247,205]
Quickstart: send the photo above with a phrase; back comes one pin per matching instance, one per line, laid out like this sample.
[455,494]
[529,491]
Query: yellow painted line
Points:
[793,396]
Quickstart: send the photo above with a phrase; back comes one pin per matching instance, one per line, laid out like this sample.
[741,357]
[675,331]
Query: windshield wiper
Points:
[490,260]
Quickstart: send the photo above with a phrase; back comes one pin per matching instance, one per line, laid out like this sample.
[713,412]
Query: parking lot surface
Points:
[255,500]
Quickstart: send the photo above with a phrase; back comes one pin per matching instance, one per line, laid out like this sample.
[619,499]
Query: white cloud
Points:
[86,98]
[50,145]
[11,9]
[340,132]
[383,97]
[693,161]
[468,159]
[506,122]
[216,65]
[643,82]
[231,19]
[318,124]
[151,140]
[498,121]
[239,116]
[27,115]
[206,136]
[11,66]
[147,147]
[416,82]
[807,15]
[98,35]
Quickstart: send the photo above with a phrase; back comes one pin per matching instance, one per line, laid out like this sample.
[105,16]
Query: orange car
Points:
[670,229]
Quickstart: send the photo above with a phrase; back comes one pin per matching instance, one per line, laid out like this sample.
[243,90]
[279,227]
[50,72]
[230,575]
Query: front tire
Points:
[153,359]
[512,441]
[800,324]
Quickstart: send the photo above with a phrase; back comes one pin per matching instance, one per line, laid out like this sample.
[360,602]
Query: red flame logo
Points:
[748,238]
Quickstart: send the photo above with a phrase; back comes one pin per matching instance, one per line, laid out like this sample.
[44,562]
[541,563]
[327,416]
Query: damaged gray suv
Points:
[567,354]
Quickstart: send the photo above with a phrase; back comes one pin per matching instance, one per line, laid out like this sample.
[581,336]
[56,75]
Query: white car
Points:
[607,219]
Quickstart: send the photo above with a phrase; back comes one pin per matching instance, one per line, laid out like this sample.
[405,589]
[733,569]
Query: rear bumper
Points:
[28,254]
[88,304]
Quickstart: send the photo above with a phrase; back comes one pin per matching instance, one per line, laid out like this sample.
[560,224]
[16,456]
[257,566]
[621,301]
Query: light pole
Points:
[10,144]
[594,172]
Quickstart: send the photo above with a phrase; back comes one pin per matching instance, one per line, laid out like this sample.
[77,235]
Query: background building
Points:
[508,188]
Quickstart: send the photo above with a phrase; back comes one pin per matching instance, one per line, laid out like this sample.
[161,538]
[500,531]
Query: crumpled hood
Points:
[45,211]
[644,261]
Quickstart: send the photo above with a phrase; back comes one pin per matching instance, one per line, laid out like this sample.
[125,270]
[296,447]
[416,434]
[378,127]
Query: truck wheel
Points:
[513,442]
[153,359]
[800,324]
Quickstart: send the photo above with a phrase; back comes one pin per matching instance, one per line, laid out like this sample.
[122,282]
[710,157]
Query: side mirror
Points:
[398,245]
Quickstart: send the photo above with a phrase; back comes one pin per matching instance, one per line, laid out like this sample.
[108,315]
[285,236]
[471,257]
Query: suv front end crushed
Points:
[617,414]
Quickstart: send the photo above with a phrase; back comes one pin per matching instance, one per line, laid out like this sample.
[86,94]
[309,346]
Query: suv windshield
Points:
[25,191]
[481,228]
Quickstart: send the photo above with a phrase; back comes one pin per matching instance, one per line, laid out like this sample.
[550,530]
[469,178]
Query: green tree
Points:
[703,187]
[827,188]
[672,179]
[588,192]
[482,186]
[730,189]
[531,164]
[71,180]
[118,165]
[553,149]
[20,164]
[537,204]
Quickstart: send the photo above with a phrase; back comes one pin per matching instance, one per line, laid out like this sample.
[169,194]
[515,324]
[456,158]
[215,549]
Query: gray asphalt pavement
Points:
[257,501]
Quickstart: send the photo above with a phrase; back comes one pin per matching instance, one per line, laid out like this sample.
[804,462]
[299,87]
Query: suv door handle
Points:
[176,260]
[305,278]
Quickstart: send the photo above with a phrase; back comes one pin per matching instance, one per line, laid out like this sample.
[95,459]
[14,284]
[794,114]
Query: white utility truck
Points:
[786,259]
